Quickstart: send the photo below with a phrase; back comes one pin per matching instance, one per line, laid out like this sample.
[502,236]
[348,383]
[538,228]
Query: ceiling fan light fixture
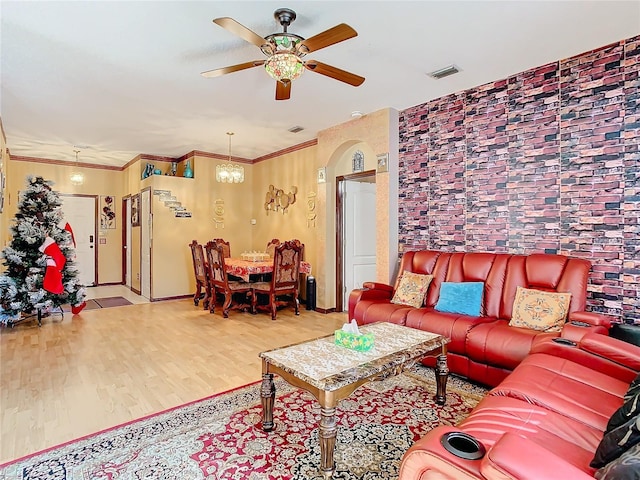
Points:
[284,66]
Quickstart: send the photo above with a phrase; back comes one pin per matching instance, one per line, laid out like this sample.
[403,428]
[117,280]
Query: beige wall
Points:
[172,267]
[297,169]
[374,133]
[237,204]
[97,182]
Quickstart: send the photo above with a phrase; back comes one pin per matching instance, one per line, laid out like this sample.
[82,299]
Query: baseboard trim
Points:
[325,310]
[177,297]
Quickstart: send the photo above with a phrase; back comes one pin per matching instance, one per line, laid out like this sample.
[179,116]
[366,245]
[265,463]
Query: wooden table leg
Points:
[442,374]
[267,395]
[328,432]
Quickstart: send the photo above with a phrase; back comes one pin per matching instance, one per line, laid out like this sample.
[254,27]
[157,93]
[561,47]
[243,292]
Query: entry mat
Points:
[105,302]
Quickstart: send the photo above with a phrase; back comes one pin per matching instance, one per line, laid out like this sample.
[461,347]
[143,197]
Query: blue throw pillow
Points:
[464,298]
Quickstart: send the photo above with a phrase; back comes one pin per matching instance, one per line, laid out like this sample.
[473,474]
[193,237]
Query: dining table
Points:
[244,268]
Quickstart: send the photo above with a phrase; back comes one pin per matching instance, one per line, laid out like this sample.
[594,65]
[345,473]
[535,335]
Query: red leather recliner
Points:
[544,421]
[485,348]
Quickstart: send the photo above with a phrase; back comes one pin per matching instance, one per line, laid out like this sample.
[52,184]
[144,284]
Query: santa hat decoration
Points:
[68,228]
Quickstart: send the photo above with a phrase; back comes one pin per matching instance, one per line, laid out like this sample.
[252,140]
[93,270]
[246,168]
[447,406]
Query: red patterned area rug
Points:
[220,437]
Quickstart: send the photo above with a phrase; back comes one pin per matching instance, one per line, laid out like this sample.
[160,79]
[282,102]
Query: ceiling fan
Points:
[285,52]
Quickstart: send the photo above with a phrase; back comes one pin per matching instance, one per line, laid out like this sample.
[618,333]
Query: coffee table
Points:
[331,372]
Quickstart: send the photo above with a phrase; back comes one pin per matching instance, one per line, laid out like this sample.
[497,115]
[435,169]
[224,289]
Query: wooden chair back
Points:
[226,247]
[284,280]
[271,246]
[298,242]
[215,260]
[286,266]
[220,283]
[200,272]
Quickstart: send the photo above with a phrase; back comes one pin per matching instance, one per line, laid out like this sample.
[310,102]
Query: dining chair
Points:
[200,272]
[284,280]
[225,245]
[271,246]
[220,282]
[295,240]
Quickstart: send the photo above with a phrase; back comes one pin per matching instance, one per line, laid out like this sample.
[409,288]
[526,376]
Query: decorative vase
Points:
[188,173]
[148,170]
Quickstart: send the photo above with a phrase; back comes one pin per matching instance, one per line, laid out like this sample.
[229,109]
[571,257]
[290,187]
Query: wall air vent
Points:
[295,129]
[444,72]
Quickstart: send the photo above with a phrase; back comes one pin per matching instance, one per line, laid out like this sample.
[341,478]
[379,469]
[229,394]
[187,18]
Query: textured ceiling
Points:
[123,78]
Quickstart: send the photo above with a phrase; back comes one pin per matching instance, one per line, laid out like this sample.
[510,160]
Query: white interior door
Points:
[359,242]
[145,240]
[81,213]
[127,216]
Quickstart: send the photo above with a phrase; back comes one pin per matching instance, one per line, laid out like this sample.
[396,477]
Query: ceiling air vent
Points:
[295,129]
[444,72]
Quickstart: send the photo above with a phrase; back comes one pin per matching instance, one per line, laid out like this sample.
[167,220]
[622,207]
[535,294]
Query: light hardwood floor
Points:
[78,375]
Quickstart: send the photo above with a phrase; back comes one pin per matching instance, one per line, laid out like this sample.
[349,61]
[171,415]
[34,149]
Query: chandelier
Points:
[229,173]
[76,177]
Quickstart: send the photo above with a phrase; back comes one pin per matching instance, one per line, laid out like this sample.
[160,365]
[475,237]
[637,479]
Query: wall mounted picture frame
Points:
[383,162]
[135,210]
[322,175]
[107,212]
[357,164]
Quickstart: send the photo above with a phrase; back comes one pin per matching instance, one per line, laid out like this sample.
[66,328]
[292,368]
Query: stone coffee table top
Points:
[327,366]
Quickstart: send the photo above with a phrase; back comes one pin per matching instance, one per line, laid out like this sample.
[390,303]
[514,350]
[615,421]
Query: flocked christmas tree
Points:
[40,271]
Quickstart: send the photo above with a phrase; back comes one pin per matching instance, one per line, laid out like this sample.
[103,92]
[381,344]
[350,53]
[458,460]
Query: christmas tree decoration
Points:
[52,281]
[40,273]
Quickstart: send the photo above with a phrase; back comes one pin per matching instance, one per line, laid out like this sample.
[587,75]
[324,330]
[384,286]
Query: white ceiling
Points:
[123,78]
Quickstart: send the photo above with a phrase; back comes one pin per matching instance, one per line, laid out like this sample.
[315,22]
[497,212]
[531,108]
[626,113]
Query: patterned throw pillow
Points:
[412,289]
[538,310]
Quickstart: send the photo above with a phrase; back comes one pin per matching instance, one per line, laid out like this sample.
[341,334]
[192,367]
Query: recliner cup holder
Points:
[579,324]
[463,445]
[564,341]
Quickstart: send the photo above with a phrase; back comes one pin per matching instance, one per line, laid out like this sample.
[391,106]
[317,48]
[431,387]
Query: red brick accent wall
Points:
[547,160]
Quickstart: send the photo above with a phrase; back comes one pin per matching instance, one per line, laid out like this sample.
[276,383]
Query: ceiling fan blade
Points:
[332,36]
[240,30]
[334,72]
[233,68]
[283,90]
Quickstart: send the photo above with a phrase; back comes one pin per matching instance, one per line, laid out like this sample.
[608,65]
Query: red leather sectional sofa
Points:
[484,348]
[545,421]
